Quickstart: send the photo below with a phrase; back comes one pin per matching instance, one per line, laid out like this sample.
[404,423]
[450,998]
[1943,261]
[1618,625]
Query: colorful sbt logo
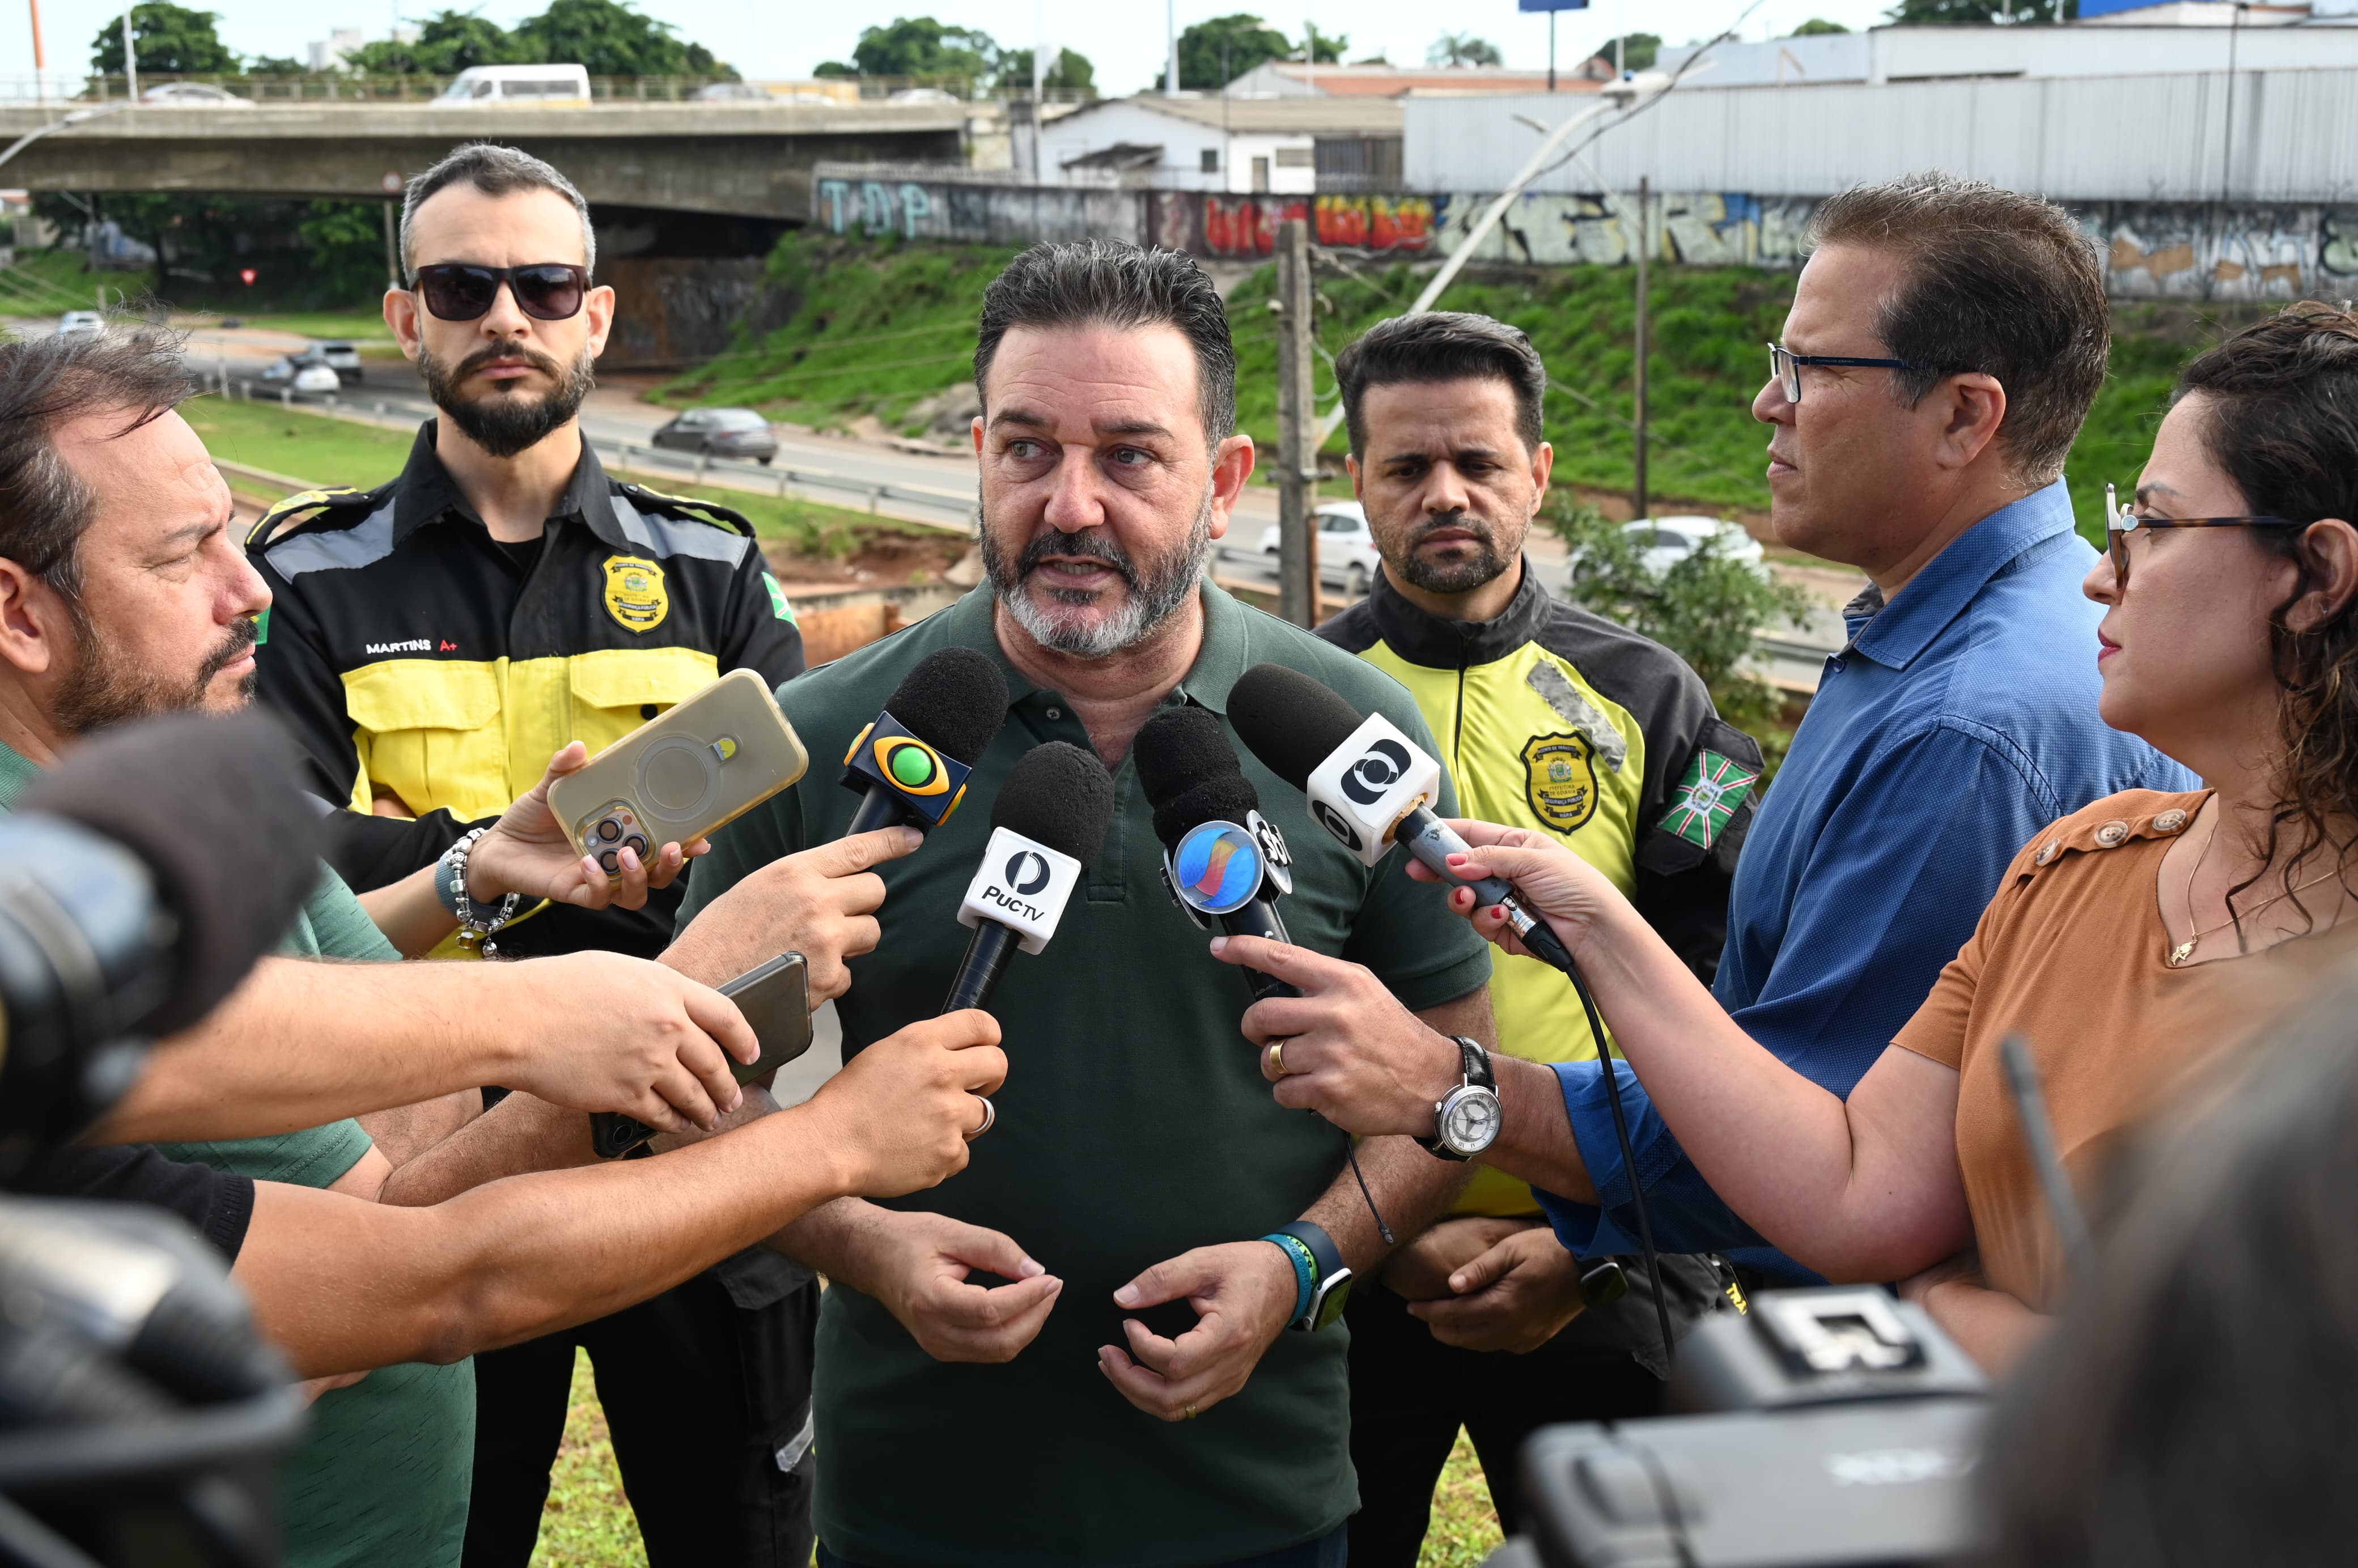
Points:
[928,783]
[1217,868]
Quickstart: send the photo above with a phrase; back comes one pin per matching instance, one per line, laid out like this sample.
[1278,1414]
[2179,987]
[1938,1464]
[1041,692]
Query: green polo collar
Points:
[17,776]
[1219,663]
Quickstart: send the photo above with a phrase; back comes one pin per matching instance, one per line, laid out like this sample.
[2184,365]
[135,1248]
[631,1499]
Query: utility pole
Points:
[130,58]
[1645,248]
[391,248]
[1170,29]
[40,63]
[1551,52]
[1297,473]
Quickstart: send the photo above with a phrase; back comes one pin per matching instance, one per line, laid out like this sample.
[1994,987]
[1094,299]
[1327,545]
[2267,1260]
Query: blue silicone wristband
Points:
[1306,1271]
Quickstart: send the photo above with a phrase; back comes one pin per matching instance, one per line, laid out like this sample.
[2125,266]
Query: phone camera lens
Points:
[637,845]
[612,862]
[610,830]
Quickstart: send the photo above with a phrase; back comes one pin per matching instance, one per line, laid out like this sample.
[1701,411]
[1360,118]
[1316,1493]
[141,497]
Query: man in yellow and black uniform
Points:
[1553,718]
[434,641]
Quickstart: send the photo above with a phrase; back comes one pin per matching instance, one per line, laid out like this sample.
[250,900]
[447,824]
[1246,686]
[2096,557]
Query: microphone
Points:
[1047,823]
[1369,785]
[911,765]
[140,881]
[1223,859]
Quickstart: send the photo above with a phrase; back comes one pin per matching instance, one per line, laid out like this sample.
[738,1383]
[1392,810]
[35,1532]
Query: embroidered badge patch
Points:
[1708,796]
[634,593]
[1560,780]
[778,605]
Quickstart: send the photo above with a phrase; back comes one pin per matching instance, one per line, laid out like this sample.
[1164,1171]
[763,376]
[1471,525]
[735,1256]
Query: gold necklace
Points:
[2185,951]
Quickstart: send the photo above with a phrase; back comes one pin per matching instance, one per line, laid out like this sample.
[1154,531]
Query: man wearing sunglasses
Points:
[433,639]
[1945,341]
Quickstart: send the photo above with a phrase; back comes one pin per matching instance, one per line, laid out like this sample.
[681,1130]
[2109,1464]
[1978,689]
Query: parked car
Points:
[306,372]
[340,359]
[194,95]
[81,324]
[486,84]
[1663,542]
[1346,551]
[720,433]
[733,92]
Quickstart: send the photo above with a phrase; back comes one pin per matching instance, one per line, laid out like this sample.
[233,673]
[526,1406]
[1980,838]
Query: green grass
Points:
[588,1523]
[870,327]
[322,451]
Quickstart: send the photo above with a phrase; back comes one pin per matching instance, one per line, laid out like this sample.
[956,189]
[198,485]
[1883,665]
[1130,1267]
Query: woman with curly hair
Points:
[2128,942]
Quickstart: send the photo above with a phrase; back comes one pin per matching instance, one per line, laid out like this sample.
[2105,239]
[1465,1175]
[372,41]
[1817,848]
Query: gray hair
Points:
[1112,283]
[495,170]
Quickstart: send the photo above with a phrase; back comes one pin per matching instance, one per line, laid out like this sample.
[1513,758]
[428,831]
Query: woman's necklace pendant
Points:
[2183,951]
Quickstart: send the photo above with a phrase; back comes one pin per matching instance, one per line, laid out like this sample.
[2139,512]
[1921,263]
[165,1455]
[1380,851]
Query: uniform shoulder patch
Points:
[711,512]
[1708,797]
[290,515]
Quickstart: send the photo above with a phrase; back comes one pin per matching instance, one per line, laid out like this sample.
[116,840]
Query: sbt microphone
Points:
[1046,825]
[1370,785]
[911,765]
[1223,860]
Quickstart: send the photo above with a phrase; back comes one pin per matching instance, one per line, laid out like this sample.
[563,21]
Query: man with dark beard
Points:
[1553,718]
[1013,1368]
[433,641]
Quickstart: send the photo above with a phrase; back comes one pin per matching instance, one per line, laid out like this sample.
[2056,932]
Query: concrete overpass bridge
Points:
[726,159]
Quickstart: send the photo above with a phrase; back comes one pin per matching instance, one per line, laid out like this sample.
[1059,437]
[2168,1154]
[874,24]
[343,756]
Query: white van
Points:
[518,84]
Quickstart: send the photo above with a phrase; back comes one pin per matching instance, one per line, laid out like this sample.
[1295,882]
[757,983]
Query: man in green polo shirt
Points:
[1138,1164]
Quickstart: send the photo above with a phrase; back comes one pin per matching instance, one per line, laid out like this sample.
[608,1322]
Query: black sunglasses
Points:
[462,291]
[2120,522]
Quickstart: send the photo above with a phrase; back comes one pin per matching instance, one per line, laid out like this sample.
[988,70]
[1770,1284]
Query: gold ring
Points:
[990,1116]
[1190,1412]
[1277,1057]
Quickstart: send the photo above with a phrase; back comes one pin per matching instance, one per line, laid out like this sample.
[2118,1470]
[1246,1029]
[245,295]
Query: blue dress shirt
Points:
[1960,719]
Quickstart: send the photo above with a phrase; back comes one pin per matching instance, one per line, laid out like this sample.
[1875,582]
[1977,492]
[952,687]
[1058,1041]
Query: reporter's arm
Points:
[1995,1328]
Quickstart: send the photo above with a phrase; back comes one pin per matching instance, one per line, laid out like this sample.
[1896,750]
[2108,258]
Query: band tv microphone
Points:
[912,763]
[1046,825]
[1223,859]
[1370,785]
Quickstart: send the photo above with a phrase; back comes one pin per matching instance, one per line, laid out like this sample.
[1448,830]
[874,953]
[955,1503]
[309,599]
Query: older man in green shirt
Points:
[1138,1164]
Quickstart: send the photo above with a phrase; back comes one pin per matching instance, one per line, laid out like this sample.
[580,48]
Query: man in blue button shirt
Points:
[1945,343]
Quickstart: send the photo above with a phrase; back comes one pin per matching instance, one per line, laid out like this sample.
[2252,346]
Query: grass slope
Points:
[587,1522]
[869,329]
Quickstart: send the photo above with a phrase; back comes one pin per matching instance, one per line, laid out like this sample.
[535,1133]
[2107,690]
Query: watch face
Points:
[1332,1293]
[1470,1120]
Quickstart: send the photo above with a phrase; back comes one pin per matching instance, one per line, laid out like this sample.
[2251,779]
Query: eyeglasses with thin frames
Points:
[1785,366]
[2120,522]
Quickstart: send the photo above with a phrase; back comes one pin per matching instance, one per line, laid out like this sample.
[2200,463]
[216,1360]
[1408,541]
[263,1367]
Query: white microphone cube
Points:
[1023,885]
[1363,789]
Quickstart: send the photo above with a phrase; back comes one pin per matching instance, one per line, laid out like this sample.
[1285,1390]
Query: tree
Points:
[1067,73]
[1638,50]
[447,43]
[1708,609]
[1817,26]
[702,61]
[346,240]
[171,40]
[1213,54]
[603,36]
[1948,12]
[1463,48]
[275,65]
[1325,48]
[920,45]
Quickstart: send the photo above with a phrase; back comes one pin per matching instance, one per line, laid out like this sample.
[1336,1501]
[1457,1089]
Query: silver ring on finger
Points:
[990,1116]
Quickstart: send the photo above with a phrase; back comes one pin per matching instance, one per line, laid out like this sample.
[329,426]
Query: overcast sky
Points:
[767,39]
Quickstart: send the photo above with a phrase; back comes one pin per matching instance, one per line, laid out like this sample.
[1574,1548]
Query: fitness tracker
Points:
[1465,1120]
[1327,1282]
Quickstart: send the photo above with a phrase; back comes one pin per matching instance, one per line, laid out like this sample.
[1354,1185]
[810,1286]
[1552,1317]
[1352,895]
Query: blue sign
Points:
[1577,4]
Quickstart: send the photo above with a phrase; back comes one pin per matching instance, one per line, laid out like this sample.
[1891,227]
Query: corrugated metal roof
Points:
[1353,116]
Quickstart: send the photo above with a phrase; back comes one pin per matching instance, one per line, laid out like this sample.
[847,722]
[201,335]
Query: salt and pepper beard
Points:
[1460,576]
[1155,592]
[502,420]
[105,689]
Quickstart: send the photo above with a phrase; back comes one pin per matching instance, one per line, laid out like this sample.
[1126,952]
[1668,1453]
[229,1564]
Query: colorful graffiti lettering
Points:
[1375,222]
[1246,227]
[877,208]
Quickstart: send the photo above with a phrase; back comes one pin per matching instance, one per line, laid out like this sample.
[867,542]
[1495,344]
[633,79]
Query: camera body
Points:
[1843,1430]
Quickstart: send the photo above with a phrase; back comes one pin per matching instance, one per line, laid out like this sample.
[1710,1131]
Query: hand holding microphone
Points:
[1046,825]
[1568,894]
[909,765]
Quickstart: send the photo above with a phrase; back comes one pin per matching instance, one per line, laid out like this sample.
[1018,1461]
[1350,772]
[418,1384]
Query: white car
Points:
[492,85]
[1663,542]
[305,373]
[81,324]
[194,95]
[1346,551]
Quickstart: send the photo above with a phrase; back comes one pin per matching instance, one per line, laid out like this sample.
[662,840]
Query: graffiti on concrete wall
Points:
[674,310]
[2151,250]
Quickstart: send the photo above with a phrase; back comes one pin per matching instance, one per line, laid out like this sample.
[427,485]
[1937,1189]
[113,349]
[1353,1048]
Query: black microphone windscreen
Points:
[954,699]
[212,807]
[1290,721]
[1190,773]
[1060,795]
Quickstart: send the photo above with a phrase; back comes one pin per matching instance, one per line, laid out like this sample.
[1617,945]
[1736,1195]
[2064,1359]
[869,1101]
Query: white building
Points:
[1209,142]
[1292,79]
